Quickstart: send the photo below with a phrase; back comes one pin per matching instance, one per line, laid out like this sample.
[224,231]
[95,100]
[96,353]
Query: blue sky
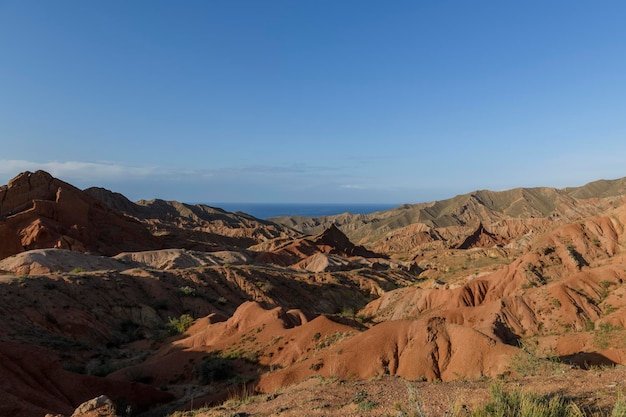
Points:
[313,101]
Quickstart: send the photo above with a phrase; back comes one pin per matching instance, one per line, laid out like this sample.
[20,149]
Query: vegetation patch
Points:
[529,361]
[330,340]
[516,403]
[604,335]
[524,404]
[179,325]
[187,291]
[363,402]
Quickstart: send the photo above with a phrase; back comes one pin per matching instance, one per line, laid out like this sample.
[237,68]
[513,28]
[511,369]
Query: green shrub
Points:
[179,325]
[248,356]
[523,404]
[619,409]
[331,340]
[363,402]
[515,403]
[187,291]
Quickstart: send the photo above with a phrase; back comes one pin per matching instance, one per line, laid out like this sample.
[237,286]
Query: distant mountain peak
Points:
[481,238]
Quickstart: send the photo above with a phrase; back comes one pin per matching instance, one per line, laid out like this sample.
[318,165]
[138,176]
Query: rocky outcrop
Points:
[101,405]
[334,241]
[481,238]
[38,211]
[331,241]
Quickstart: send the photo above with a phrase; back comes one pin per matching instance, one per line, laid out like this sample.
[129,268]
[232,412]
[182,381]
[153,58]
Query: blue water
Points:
[268,210]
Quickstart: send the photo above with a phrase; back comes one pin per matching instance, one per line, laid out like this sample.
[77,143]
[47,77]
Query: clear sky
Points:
[313,101]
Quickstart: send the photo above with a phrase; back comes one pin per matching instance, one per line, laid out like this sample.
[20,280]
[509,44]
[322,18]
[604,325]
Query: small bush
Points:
[347,312]
[264,286]
[330,340]
[214,368]
[363,402]
[609,309]
[248,356]
[179,325]
[187,291]
[619,409]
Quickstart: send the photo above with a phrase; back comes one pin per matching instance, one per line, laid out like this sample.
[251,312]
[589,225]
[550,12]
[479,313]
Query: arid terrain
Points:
[172,309]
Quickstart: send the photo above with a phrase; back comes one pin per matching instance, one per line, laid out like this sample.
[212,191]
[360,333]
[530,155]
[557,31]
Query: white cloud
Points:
[353,187]
[77,171]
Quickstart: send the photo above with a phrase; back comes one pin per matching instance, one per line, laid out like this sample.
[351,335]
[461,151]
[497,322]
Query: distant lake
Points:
[268,210]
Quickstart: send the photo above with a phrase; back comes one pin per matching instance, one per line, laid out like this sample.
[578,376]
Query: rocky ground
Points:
[595,391]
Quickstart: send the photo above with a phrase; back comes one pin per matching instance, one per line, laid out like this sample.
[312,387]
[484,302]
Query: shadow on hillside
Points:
[505,334]
[113,326]
[587,360]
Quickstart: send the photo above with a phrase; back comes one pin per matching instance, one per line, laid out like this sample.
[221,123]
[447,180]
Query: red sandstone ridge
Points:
[38,211]
[331,241]
[482,238]
[334,241]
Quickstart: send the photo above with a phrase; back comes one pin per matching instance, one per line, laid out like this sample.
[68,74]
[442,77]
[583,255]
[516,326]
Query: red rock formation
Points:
[481,238]
[38,211]
[332,241]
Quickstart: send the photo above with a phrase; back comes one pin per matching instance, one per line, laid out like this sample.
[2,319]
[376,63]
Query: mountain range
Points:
[164,306]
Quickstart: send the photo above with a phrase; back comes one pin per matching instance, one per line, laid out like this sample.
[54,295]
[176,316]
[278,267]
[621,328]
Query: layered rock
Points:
[38,211]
